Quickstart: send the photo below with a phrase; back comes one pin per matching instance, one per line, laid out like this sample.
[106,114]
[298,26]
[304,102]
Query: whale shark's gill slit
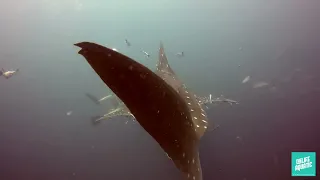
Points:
[162,116]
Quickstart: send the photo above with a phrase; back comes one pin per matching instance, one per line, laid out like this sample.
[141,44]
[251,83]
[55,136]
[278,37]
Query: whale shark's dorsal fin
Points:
[199,116]
[158,108]
[164,70]
[163,64]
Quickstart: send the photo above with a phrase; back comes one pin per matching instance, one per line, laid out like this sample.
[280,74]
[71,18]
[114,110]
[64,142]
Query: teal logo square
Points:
[303,164]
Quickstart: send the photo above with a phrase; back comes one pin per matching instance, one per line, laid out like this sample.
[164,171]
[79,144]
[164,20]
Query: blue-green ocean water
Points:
[224,41]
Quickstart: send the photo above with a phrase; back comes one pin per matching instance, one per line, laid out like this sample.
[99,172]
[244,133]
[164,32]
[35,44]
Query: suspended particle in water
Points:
[246,79]
[69,113]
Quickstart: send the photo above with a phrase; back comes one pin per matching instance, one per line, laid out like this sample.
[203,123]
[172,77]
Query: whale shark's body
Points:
[198,115]
[168,75]
[195,103]
[156,105]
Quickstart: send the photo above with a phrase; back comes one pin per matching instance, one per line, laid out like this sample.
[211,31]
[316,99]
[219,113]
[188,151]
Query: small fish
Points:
[260,84]
[223,99]
[214,128]
[106,97]
[127,42]
[8,74]
[93,98]
[69,113]
[145,53]
[180,54]
[96,100]
[120,110]
[211,100]
[246,79]
[158,108]
[97,119]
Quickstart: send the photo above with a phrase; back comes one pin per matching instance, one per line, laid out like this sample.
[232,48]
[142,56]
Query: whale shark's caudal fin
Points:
[158,108]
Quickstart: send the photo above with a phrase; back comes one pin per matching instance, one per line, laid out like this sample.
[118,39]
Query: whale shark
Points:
[156,105]
[195,102]
[119,108]
[167,74]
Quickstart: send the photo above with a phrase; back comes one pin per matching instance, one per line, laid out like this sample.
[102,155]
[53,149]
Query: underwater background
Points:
[276,42]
